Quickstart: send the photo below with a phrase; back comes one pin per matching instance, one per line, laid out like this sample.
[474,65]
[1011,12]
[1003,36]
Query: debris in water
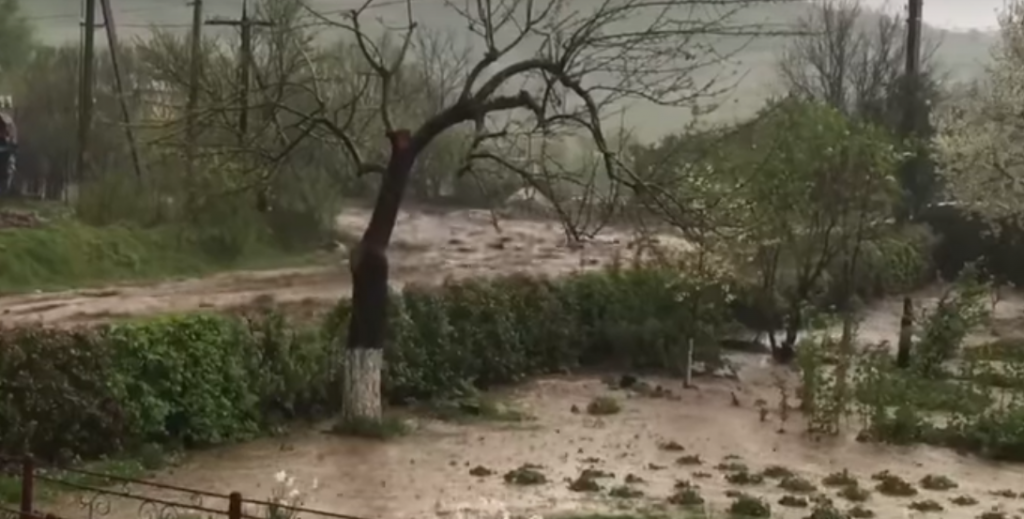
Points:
[481,471]
[525,475]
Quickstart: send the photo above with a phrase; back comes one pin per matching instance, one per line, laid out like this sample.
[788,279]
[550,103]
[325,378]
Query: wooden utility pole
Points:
[195,73]
[88,76]
[245,62]
[126,117]
[910,175]
[912,70]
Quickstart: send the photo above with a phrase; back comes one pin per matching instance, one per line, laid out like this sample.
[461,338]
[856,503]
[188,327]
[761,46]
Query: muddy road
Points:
[427,248]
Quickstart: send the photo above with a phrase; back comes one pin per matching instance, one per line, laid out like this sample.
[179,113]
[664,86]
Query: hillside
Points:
[751,68]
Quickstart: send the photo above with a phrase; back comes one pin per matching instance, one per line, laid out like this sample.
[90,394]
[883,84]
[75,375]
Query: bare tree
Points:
[851,59]
[548,69]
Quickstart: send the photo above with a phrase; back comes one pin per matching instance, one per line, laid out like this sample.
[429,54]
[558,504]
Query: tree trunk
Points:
[787,350]
[364,355]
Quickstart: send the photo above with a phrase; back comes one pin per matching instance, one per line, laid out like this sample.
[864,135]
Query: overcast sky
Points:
[954,14]
[58,21]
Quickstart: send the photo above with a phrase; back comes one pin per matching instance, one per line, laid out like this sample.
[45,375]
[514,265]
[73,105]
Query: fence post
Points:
[235,505]
[27,482]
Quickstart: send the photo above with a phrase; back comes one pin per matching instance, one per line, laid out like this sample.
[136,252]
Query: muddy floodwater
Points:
[428,472]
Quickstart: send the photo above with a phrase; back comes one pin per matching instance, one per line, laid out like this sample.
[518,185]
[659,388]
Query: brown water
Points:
[428,247]
[428,472]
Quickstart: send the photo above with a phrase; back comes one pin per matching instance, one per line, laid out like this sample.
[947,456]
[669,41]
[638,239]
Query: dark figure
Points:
[906,334]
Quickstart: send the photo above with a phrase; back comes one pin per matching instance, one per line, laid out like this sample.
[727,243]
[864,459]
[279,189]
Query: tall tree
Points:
[16,37]
[853,60]
[543,69]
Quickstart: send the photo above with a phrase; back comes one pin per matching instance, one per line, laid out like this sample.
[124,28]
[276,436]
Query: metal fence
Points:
[119,497]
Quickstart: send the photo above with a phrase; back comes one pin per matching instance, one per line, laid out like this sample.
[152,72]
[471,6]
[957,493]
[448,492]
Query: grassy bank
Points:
[69,254]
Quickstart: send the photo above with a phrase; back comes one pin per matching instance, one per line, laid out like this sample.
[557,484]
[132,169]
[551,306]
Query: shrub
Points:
[686,497]
[842,478]
[201,379]
[603,406]
[937,482]
[745,505]
[797,484]
[500,331]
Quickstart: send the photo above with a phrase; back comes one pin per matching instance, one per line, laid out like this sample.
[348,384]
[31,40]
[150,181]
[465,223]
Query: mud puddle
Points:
[428,473]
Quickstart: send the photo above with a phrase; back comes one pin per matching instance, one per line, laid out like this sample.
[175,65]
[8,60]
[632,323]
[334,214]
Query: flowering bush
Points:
[286,496]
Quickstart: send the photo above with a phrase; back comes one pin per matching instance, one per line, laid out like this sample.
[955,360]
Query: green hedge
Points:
[197,380]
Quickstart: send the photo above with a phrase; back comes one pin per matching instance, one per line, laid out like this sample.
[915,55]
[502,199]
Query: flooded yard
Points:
[431,471]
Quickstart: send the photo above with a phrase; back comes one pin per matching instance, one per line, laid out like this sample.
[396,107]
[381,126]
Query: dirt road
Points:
[427,248]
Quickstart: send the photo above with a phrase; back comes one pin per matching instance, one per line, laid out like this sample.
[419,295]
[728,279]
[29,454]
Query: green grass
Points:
[67,254]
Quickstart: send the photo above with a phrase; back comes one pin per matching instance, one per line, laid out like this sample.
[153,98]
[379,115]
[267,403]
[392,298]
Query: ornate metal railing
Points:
[119,497]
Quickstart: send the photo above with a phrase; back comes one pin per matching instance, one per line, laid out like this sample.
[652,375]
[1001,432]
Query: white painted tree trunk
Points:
[361,397]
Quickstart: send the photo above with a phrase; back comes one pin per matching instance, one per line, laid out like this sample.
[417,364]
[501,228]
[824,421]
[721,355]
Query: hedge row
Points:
[197,380]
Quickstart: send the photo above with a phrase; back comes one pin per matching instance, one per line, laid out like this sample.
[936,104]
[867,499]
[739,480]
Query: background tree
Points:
[16,38]
[789,199]
[979,131]
[853,60]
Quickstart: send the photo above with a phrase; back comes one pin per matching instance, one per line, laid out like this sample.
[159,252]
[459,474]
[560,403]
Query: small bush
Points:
[777,472]
[686,497]
[732,466]
[671,446]
[793,501]
[839,479]
[689,459]
[926,506]
[826,511]
[859,512]
[745,505]
[892,485]
[526,475]
[798,485]
[854,493]
[625,492]
[937,482]
[744,478]
[585,483]
[603,406]
[964,501]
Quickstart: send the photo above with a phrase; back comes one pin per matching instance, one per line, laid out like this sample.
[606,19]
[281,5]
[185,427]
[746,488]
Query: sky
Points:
[58,21]
[953,14]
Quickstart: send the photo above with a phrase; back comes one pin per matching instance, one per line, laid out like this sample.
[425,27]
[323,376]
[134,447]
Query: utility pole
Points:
[108,22]
[86,80]
[912,71]
[245,66]
[195,73]
[910,174]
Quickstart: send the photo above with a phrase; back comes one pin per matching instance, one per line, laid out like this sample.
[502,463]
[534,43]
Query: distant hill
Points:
[961,54]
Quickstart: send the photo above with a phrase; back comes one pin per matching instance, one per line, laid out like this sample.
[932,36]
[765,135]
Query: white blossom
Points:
[980,130]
